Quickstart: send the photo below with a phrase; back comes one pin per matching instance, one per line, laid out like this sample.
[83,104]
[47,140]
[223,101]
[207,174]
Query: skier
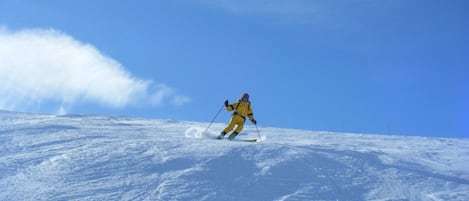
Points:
[242,108]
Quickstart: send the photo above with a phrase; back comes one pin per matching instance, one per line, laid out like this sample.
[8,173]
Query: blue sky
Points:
[388,66]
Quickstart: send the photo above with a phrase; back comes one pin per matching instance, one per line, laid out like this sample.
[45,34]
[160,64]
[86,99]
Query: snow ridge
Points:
[81,157]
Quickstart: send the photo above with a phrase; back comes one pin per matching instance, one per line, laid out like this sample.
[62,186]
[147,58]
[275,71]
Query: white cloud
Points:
[164,92]
[41,65]
[180,100]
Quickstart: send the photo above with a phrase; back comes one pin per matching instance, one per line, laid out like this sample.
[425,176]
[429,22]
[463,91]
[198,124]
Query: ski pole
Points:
[258,134]
[214,118]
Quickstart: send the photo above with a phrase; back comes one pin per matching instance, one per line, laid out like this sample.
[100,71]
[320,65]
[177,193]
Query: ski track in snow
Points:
[80,157]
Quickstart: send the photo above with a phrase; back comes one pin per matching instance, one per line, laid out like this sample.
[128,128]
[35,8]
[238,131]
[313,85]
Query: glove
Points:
[226,103]
[254,122]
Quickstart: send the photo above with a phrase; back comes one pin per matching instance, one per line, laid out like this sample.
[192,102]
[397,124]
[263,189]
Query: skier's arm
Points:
[230,107]
[251,115]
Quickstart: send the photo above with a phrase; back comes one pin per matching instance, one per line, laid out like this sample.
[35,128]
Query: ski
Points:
[251,140]
[243,140]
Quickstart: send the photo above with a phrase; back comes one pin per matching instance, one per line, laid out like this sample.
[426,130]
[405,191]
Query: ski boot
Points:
[233,135]
[222,134]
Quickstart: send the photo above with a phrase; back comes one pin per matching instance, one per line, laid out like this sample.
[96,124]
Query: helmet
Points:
[245,97]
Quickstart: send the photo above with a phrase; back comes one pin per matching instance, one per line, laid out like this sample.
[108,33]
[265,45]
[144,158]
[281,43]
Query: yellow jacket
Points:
[242,109]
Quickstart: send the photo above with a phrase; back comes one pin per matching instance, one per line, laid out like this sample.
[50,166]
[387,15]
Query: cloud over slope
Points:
[42,65]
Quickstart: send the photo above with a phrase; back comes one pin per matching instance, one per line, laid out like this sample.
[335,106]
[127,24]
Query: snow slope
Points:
[76,157]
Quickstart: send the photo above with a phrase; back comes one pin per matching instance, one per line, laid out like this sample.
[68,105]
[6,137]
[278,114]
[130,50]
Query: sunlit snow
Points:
[78,157]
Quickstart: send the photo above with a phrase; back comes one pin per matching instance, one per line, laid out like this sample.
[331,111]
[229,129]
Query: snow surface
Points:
[78,157]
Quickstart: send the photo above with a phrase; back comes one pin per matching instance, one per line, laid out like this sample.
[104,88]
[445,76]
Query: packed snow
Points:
[90,157]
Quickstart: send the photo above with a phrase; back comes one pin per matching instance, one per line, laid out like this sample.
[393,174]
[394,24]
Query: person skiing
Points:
[242,108]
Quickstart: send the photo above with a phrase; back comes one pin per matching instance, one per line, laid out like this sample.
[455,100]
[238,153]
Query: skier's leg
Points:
[240,125]
[228,128]
[231,125]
